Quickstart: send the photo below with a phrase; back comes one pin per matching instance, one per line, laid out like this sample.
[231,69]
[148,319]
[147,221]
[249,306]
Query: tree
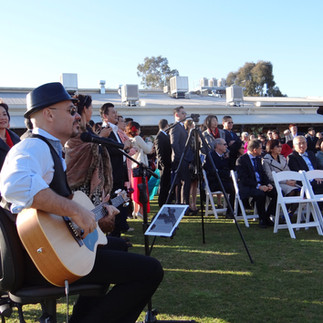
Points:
[256,79]
[155,72]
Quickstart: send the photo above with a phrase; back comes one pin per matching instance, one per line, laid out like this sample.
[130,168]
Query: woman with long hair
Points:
[88,165]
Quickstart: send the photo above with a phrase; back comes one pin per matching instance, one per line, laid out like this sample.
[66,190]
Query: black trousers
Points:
[260,199]
[164,186]
[135,278]
[182,184]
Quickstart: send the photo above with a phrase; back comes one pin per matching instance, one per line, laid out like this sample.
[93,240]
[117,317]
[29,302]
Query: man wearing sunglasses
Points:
[34,176]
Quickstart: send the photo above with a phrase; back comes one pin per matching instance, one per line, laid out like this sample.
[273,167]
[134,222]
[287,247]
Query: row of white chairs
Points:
[308,211]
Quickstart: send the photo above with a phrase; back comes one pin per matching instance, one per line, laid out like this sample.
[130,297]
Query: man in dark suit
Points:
[118,163]
[233,141]
[178,136]
[163,152]
[221,161]
[303,159]
[253,182]
[311,139]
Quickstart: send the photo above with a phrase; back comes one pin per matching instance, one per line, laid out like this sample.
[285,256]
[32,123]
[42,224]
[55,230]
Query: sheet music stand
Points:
[166,220]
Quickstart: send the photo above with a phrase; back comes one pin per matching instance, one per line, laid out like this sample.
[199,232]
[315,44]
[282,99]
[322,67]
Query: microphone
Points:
[90,137]
[195,117]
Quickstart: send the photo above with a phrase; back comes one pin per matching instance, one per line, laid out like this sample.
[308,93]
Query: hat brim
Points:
[28,113]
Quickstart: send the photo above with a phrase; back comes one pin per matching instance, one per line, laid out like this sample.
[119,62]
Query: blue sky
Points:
[106,40]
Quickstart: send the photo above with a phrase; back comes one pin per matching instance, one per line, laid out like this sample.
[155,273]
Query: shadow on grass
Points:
[215,281]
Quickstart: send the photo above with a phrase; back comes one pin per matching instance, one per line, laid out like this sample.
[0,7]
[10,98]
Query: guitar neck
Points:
[100,211]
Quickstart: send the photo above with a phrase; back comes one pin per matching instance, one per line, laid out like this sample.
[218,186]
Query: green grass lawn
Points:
[216,282]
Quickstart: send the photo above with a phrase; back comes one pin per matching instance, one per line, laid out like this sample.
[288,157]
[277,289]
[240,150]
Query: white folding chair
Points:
[210,199]
[303,200]
[238,202]
[310,176]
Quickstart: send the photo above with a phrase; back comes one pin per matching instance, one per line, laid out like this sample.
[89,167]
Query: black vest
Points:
[59,182]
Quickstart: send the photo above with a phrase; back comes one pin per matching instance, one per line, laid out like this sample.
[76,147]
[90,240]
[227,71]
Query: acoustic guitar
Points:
[55,245]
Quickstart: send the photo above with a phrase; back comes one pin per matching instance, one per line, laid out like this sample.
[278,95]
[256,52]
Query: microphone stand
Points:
[209,156]
[198,134]
[191,134]
[142,172]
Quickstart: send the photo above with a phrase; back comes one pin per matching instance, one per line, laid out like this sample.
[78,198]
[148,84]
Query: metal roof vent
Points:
[234,95]
[130,94]
[102,87]
[178,86]
[69,81]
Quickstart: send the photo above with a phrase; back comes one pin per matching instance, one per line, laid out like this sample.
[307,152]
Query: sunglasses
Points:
[72,110]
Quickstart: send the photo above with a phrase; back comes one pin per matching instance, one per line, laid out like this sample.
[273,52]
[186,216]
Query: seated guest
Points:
[319,154]
[274,161]
[286,149]
[36,166]
[221,162]
[253,182]
[301,159]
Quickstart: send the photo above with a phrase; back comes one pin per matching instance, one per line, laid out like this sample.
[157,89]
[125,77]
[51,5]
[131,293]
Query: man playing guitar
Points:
[33,176]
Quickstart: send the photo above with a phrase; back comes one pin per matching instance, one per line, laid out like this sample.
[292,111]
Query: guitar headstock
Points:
[124,195]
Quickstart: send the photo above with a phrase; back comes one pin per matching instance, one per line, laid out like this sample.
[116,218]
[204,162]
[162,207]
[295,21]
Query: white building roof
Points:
[155,105]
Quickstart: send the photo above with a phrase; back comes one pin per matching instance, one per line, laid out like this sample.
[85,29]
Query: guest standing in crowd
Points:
[212,131]
[88,165]
[7,137]
[163,152]
[232,139]
[118,161]
[143,148]
[193,164]
[245,140]
[178,137]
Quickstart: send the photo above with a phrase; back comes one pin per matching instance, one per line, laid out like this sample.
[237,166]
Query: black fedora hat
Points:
[45,96]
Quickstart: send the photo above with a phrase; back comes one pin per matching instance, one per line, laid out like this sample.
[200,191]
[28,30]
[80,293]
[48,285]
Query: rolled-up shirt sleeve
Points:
[28,169]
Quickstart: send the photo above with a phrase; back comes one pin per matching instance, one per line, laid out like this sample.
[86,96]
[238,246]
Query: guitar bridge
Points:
[75,233]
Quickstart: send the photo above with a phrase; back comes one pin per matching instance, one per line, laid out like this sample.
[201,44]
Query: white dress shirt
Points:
[28,169]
